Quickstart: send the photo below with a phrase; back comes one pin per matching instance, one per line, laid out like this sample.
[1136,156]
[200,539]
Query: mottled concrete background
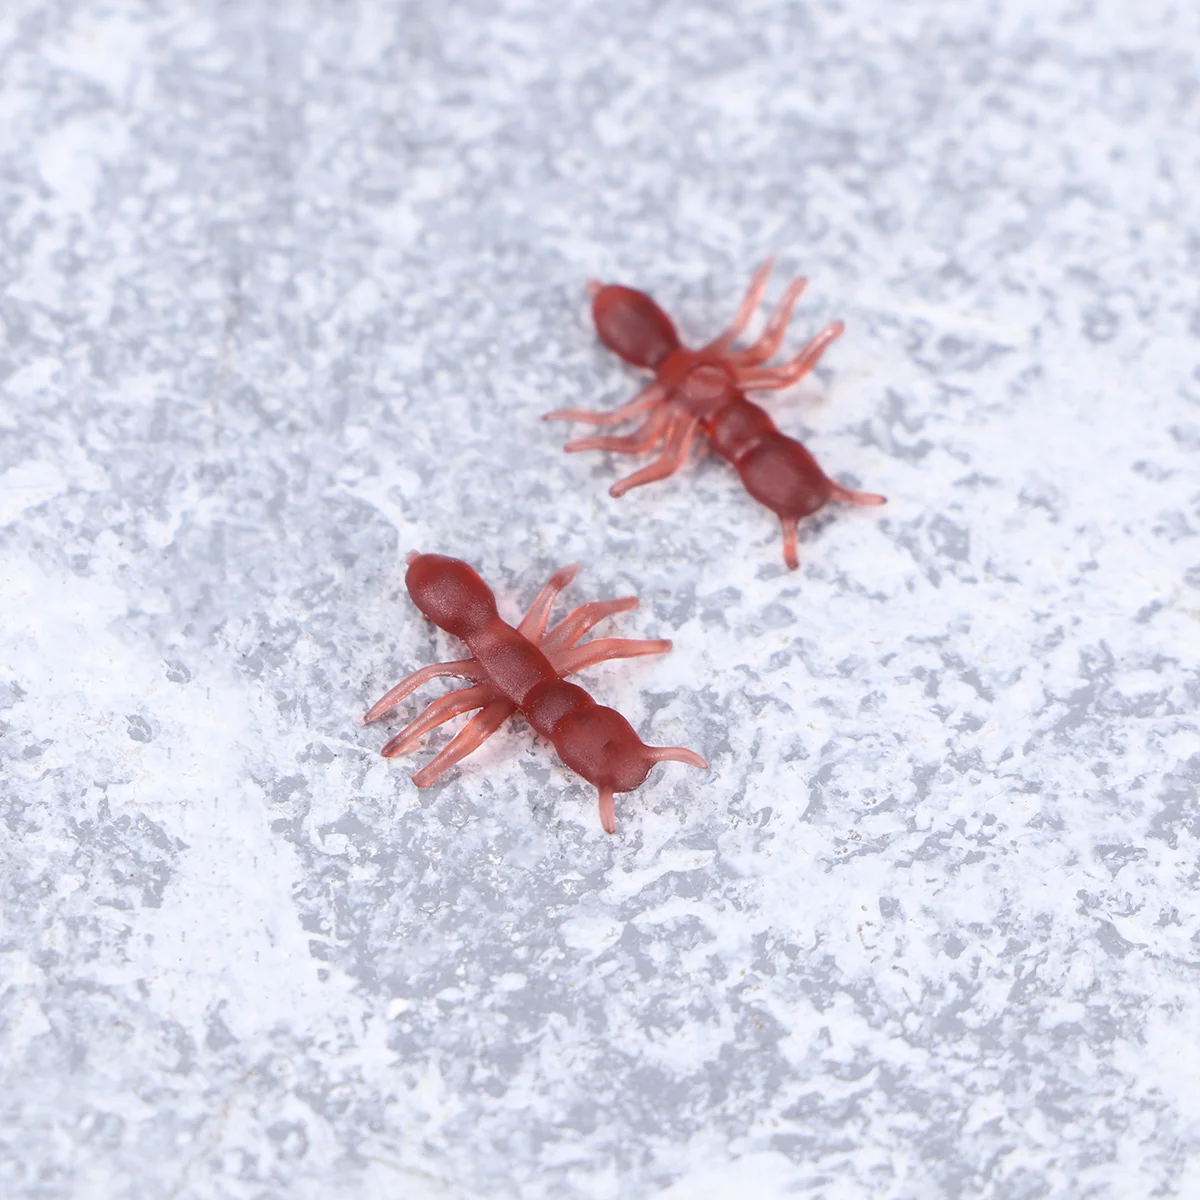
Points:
[285,288]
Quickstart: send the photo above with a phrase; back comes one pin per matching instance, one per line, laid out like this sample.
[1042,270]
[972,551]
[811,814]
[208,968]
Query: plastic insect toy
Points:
[523,669]
[706,390]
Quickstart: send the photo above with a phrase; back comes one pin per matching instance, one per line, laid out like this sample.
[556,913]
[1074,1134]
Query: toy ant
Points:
[705,389]
[523,669]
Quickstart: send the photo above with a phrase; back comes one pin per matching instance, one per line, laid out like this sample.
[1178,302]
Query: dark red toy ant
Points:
[523,669]
[705,389]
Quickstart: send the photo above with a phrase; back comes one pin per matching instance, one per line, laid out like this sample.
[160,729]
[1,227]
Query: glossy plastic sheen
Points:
[632,325]
[705,391]
[522,670]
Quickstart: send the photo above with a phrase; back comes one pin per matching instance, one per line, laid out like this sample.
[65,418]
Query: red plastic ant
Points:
[523,669]
[705,389]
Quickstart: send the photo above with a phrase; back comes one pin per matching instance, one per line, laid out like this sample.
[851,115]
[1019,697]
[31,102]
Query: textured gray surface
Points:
[285,290]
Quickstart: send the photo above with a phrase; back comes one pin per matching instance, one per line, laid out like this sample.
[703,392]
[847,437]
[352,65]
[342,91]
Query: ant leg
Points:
[770,378]
[646,399]
[791,554]
[468,739]
[438,713]
[467,668]
[533,624]
[581,620]
[634,443]
[751,300]
[776,328]
[850,496]
[679,441]
[567,662]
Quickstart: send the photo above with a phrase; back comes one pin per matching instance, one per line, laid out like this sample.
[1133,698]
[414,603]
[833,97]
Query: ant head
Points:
[599,744]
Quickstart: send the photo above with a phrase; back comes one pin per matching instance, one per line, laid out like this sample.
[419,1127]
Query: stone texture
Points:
[285,288]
